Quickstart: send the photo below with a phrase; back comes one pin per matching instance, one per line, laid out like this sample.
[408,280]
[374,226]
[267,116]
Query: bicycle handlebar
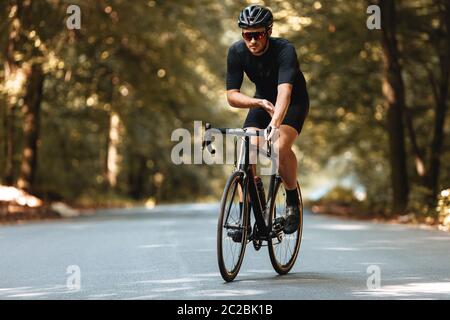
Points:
[233,131]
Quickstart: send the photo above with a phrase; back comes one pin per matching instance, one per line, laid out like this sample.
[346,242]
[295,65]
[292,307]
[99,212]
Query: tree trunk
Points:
[114,139]
[393,92]
[31,110]
[104,154]
[8,172]
[13,84]
[441,96]
[137,175]
[419,159]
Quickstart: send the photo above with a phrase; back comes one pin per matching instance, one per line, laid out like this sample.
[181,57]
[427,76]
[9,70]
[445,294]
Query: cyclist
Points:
[281,100]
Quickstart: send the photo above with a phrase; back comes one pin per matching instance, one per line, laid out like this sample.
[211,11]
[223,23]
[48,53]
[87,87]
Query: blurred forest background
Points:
[86,115]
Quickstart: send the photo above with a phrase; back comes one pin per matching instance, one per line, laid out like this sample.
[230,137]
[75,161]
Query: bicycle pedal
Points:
[236,235]
[278,224]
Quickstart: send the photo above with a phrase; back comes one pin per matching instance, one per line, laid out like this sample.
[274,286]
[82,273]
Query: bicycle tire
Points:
[230,272]
[283,267]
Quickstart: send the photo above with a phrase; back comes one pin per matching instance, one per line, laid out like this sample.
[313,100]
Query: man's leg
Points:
[288,172]
[253,143]
[287,158]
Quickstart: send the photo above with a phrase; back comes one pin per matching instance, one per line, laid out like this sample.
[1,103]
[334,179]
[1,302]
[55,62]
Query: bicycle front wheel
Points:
[232,228]
[283,249]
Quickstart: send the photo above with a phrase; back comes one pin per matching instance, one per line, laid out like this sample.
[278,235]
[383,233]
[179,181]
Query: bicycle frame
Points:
[234,226]
[249,187]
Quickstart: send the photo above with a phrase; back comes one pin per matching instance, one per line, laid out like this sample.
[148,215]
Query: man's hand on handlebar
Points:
[268,106]
[269,132]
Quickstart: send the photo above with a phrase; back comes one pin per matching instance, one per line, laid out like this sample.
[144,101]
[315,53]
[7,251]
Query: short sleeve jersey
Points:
[277,65]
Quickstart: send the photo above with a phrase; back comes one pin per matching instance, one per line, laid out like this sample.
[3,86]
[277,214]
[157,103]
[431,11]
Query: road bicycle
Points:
[241,196]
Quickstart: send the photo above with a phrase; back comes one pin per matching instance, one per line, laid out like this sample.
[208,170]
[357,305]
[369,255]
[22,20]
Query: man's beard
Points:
[263,49]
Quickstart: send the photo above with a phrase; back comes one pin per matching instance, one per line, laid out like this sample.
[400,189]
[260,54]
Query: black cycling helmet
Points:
[255,16]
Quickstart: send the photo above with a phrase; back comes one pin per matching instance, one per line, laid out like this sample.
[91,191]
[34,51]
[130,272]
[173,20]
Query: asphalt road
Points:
[169,253]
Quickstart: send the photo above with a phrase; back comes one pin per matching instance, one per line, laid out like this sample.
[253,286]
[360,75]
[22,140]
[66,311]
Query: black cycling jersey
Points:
[276,66]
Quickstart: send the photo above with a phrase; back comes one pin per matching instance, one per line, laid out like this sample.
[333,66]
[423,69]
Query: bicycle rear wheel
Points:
[283,249]
[232,218]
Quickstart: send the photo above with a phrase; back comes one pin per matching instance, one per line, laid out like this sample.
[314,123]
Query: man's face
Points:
[256,44]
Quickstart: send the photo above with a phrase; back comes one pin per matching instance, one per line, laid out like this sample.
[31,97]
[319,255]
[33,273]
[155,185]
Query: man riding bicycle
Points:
[281,100]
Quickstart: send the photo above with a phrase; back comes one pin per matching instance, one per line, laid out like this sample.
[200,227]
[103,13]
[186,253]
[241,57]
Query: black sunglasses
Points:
[254,35]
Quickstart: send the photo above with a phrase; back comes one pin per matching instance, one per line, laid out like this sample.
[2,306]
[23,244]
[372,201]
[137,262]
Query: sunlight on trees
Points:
[114,91]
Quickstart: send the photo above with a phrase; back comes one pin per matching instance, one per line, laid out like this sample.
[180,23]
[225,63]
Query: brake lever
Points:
[207,142]
[269,144]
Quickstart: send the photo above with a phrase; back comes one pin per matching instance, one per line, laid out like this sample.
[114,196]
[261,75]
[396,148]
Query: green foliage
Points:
[340,194]
[148,61]
[160,65]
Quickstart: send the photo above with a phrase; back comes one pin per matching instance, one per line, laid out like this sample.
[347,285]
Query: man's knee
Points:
[255,146]
[286,140]
[285,150]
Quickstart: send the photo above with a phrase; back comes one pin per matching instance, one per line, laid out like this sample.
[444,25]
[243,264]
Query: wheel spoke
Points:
[283,253]
[231,219]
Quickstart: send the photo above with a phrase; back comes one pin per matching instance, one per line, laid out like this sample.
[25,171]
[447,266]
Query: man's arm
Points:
[237,99]
[287,60]
[281,106]
[235,76]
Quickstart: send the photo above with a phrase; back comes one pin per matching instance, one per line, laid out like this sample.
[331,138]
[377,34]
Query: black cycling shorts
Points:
[260,118]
